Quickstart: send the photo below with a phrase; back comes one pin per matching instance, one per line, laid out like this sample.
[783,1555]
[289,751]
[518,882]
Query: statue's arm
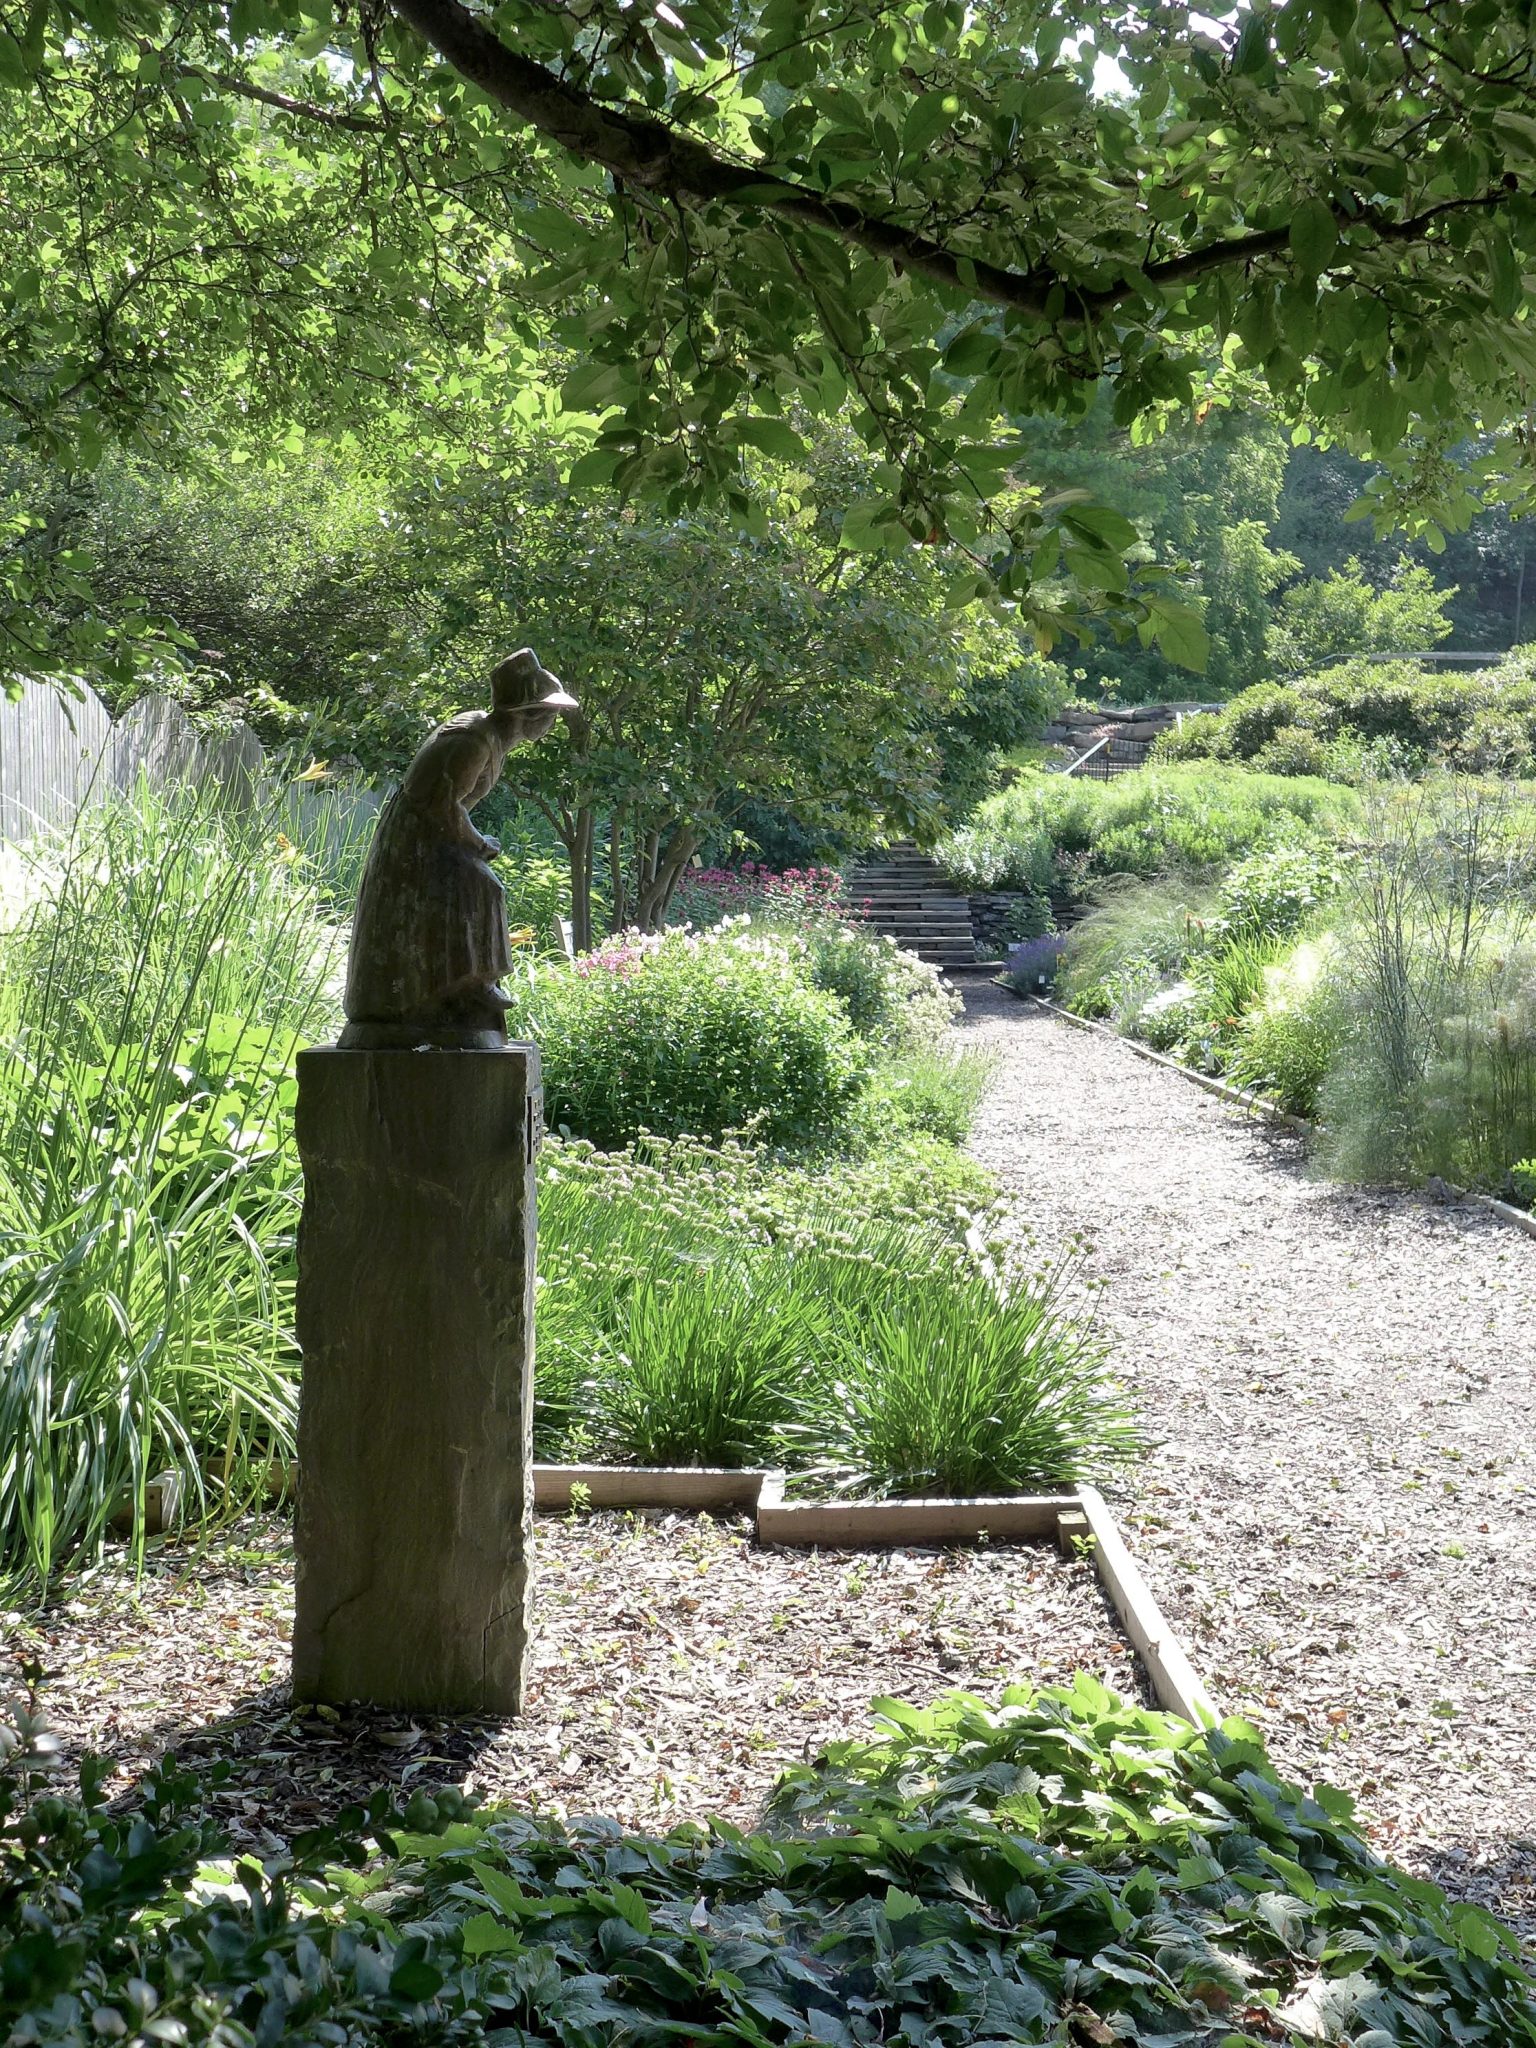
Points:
[448,775]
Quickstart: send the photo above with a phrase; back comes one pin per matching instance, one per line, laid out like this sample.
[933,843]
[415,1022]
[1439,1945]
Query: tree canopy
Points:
[706,223]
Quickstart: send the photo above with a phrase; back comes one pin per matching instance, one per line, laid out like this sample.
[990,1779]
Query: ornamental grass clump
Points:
[151,999]
[690,1318]
[1434,979]
[969,1385]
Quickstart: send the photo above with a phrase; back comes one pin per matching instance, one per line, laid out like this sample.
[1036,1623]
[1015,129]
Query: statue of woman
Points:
[429,942]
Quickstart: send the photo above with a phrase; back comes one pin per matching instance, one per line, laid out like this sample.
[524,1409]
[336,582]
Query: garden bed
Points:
[677,1667]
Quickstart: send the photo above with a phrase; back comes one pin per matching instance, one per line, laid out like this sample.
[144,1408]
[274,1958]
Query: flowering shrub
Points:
[794,900]
[622,953]
[699,1032]
[892,998]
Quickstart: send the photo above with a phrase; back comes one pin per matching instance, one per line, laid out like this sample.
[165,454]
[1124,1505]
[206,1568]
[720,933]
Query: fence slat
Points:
[57,751]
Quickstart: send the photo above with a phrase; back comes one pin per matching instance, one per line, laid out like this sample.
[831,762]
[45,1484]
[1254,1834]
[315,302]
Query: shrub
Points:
[1156,822]
[893,999]
[150,1003]
[1001,848]
[698,1033]
[797,899]
[1033,964]
[1275,892]
[1362,713]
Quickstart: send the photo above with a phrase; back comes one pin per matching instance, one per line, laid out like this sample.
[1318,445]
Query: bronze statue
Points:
[429,943]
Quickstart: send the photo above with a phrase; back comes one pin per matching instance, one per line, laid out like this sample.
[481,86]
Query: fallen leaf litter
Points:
[676,1668]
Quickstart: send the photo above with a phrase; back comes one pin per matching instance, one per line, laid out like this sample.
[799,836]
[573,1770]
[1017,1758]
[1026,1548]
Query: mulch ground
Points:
[676,1668]
[1338,1515]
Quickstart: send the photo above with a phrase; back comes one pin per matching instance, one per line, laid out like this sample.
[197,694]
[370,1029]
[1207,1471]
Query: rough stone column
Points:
[415,1320]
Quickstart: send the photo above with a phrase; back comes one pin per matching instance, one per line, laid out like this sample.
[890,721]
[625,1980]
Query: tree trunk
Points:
[665,868]
[618,915]
[578,851]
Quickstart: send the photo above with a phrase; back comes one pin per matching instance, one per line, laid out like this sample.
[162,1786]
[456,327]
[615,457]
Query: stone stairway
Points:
[902,892]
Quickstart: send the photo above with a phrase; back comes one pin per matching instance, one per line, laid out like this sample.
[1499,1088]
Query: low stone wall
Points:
[992,912]
[1079,726]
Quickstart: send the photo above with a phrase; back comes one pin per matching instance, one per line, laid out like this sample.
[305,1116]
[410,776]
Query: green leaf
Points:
[774,436]
[485,1935]
[1314,236]
[928,115]
[1516,131]
[974,350]
[1506,286]
[1180,633]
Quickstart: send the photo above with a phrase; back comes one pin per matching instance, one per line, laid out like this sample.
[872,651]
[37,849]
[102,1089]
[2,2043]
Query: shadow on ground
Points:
[271,1770]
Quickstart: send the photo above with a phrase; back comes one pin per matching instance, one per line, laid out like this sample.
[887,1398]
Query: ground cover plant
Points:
[1056,1868]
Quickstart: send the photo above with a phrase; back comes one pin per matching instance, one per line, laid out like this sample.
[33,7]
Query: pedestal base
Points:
[415,1320]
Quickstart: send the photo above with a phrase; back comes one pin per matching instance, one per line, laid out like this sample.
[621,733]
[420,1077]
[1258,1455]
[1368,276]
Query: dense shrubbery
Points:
[691,1032]
[745,1025]
[1056,1868]
[1371,715]
[1386,986]
[794,899]
[1067,834]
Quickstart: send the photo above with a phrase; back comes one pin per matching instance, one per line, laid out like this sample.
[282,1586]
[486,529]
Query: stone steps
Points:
[904,894]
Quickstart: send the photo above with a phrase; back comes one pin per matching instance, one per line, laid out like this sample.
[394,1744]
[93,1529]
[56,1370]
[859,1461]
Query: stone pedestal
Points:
[415,1320]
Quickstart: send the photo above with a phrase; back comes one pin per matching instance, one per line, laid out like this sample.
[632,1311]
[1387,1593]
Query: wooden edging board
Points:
[851,1523]
[646,1486]
[1173,1677]
[1078,1515]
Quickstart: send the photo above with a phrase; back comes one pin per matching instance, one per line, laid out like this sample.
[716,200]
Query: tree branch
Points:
[303,110]
[648,155]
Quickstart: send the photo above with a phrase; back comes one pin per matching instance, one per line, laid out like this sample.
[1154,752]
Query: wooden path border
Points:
[1075,1516]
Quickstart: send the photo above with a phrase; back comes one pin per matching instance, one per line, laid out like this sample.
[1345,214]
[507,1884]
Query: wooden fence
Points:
[56,752]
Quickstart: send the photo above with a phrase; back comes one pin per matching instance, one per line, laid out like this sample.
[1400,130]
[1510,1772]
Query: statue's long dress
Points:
[431,929]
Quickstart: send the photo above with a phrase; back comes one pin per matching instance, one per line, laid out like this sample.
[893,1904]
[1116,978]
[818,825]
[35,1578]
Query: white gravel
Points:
[1338,1514]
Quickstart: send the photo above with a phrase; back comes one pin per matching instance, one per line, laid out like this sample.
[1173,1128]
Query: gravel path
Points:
[1338,1515]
